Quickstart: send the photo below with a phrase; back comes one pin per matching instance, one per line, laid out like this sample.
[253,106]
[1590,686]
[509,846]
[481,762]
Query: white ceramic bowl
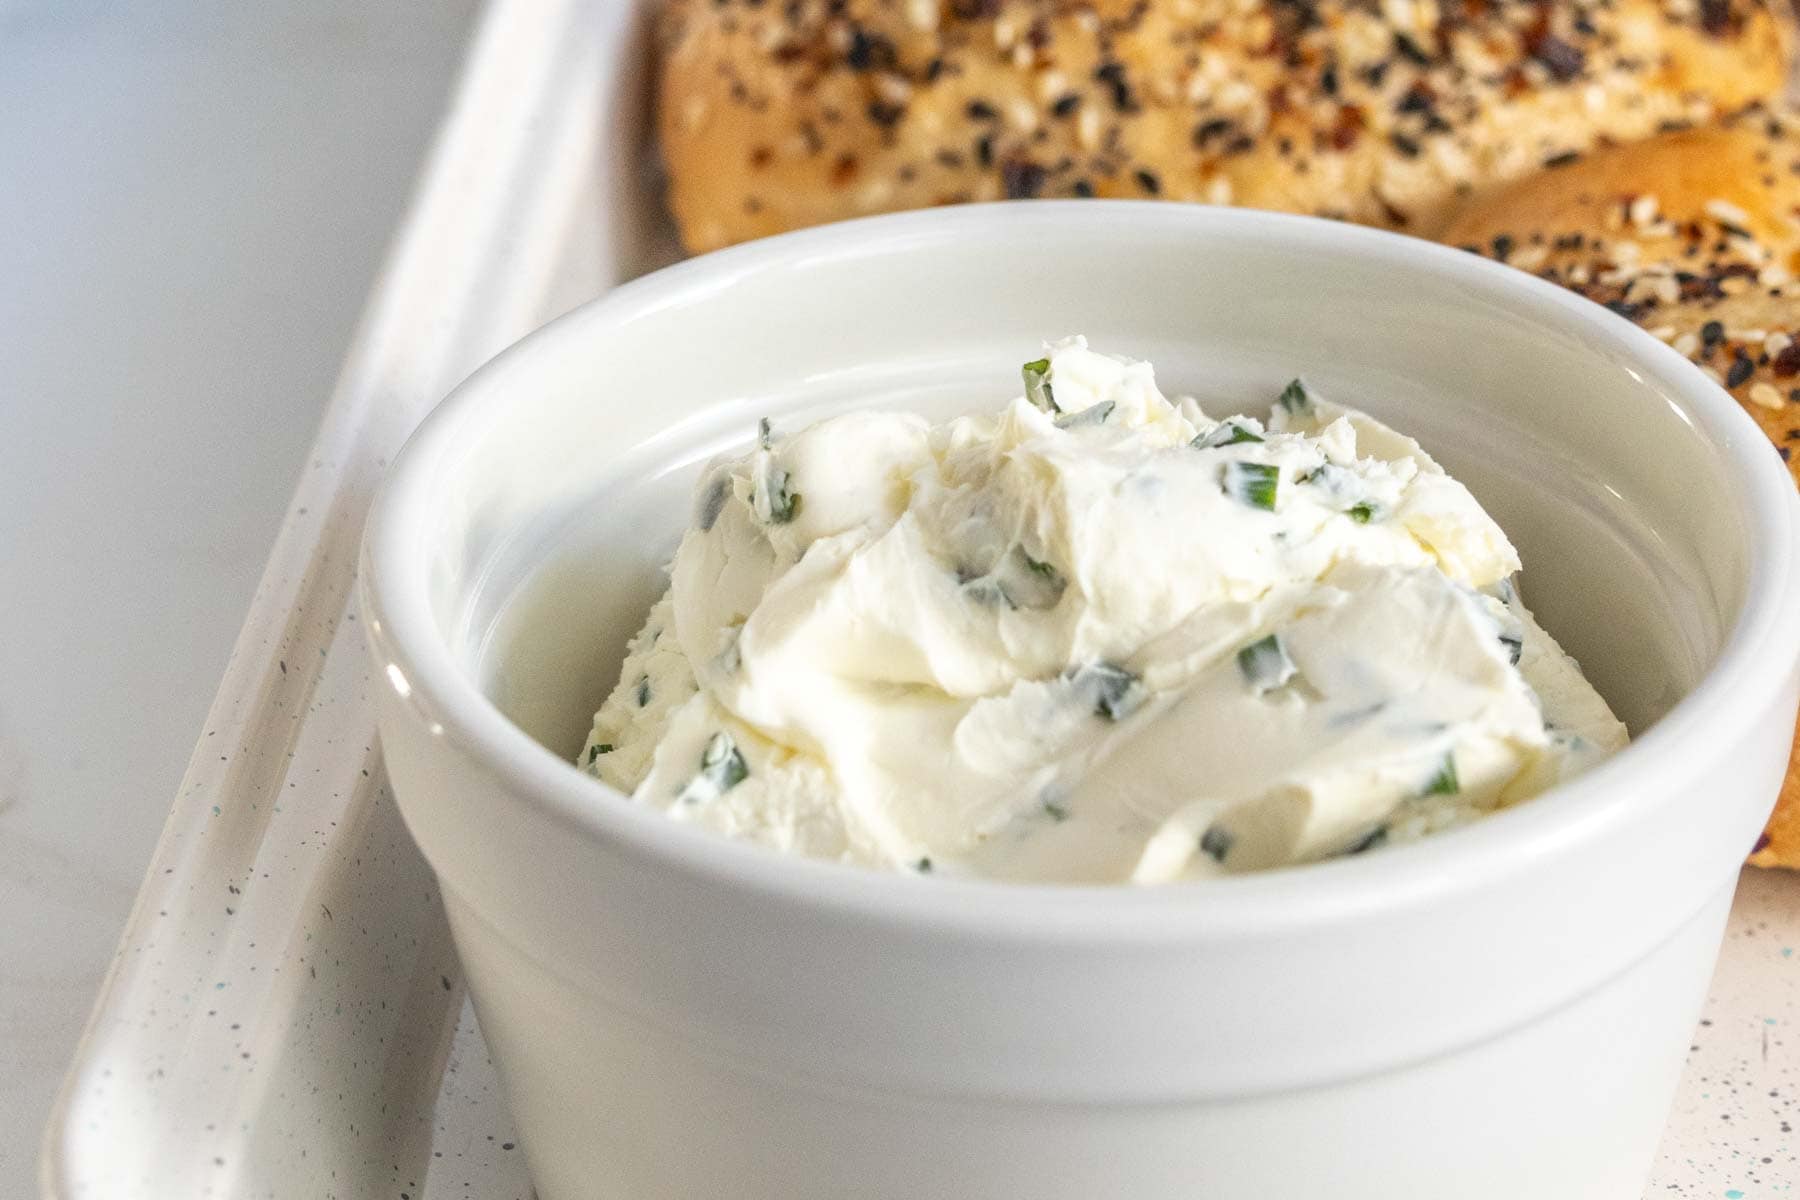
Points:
[1495,1013]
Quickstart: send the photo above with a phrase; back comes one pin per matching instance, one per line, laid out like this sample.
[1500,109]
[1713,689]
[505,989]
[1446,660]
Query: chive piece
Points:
[1362,513]
[1444,783]
[1037,385]
[1294,399]
[1230,434]
[1114,692]
[721,764]
[923,866]
[1028,583]
[1254,484]
[1217,842]
[1515,647]
[1369,840]
[597,749]
[984,590]
[643,691]
[765,433]
[713,504]
[1093,414]
[1055,811]
[783,505]
[1265,664]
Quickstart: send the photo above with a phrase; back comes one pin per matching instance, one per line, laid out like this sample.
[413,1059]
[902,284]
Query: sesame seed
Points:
[1766,396]
[1726,213]
[1643,211]
[1741,370]
[1686,345]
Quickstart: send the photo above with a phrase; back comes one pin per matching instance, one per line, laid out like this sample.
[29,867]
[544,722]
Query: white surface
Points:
[278,1019]
[194,197]
[1501,1010]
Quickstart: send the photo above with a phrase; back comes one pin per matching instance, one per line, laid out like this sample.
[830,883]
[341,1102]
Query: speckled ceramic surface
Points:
[1732,1132]
[285,1017]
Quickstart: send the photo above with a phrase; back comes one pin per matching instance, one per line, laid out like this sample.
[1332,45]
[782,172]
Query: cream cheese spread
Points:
[1095,636]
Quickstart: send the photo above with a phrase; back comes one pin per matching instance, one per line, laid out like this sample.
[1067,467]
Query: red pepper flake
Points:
[1787,362]
[1347,128]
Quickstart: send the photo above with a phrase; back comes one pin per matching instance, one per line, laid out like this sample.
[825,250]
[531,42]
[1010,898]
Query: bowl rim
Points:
[1756,660]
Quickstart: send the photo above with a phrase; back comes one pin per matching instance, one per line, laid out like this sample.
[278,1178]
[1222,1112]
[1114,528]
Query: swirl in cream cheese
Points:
[1095,636]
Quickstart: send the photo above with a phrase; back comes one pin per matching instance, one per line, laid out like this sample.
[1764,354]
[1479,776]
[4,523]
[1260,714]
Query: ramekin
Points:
[1495,1013]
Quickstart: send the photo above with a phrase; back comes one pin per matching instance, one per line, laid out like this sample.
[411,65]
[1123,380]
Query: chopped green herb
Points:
[1369,840]
[597,749]
[1254,484]
[1362,513]
[1114,692]
[728,660]
[722,768]
[1515,647]
[984,590]
[1037,385]
[1444,783]
[1265,664]
[783,505]
[765,433]
[1093,414]
[1217,842]
[1017,581]
[1230,434]
[1055,811]
[923,866]
[1029,583]
[713,503]
[643,691]
[1294,399]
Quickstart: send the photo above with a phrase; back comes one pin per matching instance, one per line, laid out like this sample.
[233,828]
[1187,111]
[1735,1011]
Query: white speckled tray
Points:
[285,1017]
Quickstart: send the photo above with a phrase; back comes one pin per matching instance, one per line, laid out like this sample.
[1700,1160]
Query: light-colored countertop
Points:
[194,198]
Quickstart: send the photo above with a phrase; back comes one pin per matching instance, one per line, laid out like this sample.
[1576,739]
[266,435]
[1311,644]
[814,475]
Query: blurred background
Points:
[195,196]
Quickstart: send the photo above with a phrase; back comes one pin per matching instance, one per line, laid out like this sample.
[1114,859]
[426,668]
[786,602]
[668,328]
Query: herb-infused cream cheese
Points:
[1096,636]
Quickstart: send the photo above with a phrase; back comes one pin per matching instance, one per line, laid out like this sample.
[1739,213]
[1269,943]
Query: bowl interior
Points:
[568,464]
